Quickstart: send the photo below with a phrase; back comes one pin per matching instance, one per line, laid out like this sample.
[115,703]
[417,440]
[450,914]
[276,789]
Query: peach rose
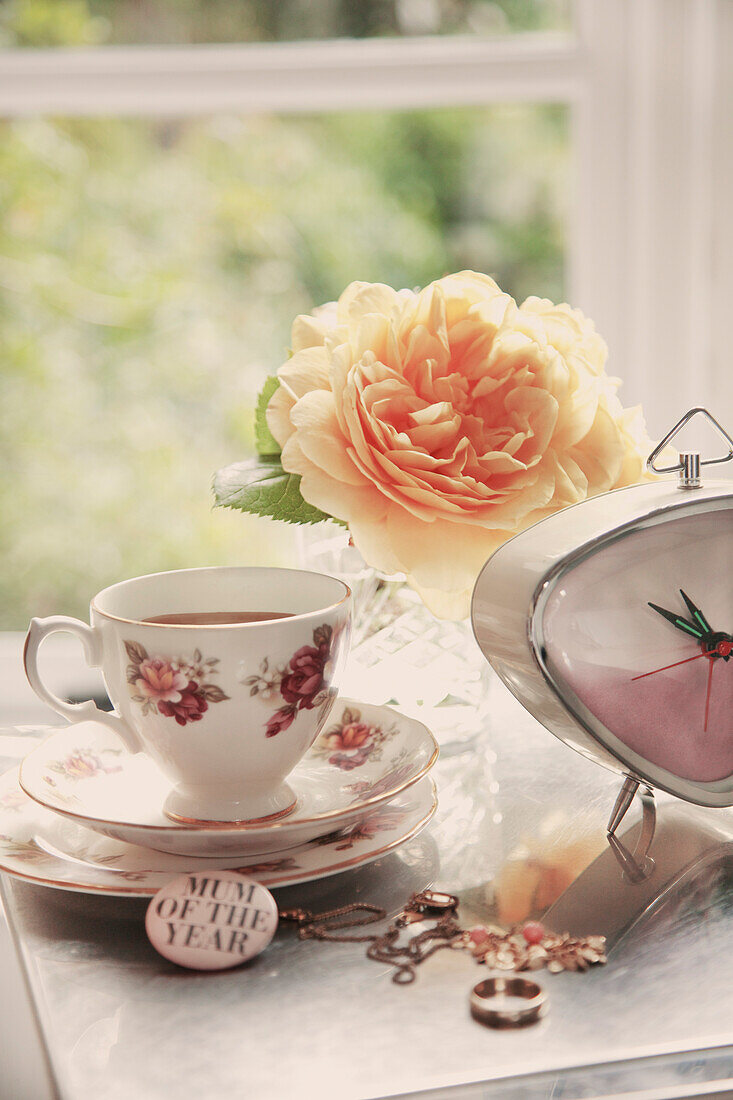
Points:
[439,423]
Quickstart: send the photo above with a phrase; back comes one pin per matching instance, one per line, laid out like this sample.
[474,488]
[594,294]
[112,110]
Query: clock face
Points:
[641,634]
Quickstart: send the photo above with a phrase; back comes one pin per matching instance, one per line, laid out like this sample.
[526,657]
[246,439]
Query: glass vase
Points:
[401,654]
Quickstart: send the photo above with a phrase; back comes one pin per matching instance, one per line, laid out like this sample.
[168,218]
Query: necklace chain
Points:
[405,958]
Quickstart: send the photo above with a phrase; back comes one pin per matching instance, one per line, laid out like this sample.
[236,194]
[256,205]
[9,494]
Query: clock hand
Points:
[674,665]
[679,622]
[715,642]
[707,695]
[696,613]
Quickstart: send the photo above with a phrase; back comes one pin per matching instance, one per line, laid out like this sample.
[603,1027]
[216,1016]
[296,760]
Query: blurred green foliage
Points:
[84,22]
[149,274]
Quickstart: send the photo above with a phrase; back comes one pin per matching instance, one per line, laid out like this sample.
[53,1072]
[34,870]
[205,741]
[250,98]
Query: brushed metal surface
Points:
[313,1019]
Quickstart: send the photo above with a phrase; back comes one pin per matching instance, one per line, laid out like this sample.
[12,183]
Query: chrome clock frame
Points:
[511,594]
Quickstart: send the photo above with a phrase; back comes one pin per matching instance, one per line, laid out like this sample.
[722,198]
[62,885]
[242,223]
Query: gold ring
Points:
[507,1002]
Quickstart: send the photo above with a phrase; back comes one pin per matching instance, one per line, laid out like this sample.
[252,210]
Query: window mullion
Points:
[339,75]
[645,220]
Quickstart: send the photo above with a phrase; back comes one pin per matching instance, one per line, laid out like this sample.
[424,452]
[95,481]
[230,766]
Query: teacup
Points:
[226,710]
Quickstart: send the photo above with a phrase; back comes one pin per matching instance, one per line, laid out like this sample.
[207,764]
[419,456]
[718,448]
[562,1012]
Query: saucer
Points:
[46,848]
[365,756]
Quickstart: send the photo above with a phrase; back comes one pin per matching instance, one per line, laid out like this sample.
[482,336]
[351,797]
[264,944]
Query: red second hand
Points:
[707,697]
[676,663]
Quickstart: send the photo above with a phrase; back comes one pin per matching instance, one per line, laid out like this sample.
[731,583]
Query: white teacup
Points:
[225,710]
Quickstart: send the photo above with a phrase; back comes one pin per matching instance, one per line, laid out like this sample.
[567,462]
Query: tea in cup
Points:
[224,676]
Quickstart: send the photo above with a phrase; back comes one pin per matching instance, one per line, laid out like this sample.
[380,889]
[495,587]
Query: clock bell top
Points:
[688,466]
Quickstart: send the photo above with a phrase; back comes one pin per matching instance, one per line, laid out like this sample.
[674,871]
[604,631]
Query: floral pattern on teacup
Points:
[176,687]
[302,684]
[353,741]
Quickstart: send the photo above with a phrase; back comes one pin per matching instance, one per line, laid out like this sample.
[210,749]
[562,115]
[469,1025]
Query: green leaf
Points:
[262,486]
[265,440]
[213,693]
[136,652]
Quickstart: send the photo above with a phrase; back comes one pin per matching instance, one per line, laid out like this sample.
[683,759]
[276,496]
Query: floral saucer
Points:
[365,756]
[45,848]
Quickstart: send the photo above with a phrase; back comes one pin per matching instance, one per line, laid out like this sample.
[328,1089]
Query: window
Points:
[178,180]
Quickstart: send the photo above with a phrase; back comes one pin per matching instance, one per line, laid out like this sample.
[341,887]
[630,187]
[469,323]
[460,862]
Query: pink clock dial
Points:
[623,637]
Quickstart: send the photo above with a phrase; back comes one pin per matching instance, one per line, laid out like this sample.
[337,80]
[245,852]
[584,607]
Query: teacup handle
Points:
[74,712]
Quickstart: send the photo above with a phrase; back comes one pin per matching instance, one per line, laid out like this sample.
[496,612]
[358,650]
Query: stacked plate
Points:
[82,813]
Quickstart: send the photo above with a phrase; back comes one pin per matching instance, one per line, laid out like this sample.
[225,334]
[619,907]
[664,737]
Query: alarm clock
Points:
[611,621]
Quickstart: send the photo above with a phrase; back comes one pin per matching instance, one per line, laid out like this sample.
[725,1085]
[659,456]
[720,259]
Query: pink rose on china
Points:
[303,681]
[160,681]
[350,735]
[190,705]
[436,424]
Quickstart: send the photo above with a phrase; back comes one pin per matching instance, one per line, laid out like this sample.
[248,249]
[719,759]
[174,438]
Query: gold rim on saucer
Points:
[137,888]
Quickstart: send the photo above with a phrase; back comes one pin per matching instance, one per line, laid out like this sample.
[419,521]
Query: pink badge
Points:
[211,920]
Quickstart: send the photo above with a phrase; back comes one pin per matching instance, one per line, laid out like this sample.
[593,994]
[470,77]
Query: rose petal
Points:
[445,605]
[321,442]
[309,331]
[600,454]
[448,557]
[277,415]
[307,370]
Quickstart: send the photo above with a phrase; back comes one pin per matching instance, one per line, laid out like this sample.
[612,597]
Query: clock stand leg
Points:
[625,798]
[638,865]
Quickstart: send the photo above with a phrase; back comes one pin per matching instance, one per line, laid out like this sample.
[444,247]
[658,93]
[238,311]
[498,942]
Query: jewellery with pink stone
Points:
[531,947]
[527,946]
